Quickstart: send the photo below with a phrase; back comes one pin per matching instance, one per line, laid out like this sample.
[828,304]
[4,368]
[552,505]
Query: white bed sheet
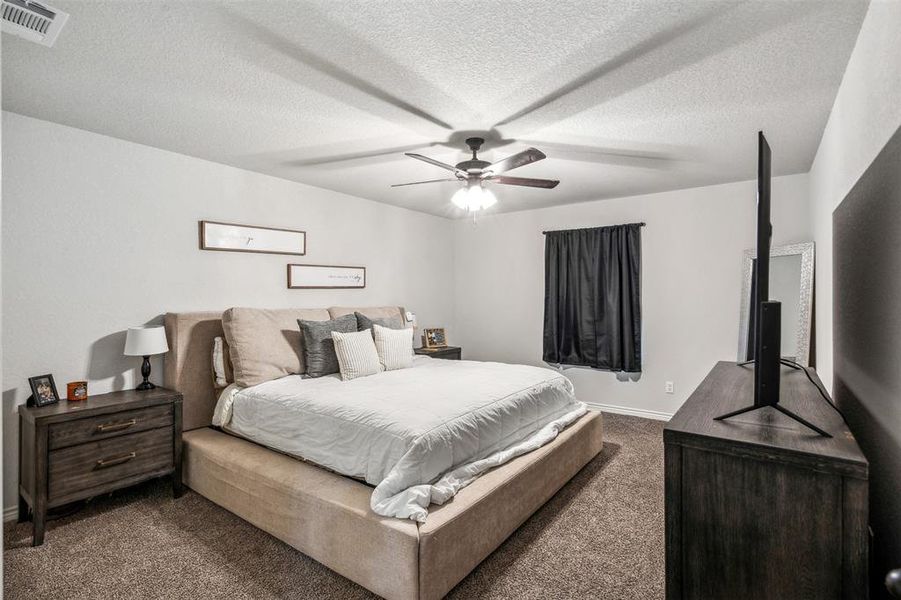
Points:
[418,435]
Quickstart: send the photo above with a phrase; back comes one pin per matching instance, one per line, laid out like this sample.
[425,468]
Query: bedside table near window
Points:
[448,352]
[75,450]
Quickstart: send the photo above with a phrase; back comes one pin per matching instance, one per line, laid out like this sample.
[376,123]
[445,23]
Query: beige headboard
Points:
[188,364]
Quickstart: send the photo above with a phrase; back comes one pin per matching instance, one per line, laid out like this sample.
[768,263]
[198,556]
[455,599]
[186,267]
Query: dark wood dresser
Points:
[758,506]
[75,450]
[448,352]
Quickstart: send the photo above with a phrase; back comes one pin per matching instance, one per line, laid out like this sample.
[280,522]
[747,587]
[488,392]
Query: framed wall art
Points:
[325,277]
[233,237]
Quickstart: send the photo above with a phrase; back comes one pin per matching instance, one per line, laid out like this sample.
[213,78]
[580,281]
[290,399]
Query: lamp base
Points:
[145,373]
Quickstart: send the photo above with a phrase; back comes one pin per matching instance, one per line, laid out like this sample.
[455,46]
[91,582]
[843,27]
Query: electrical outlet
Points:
[668,387]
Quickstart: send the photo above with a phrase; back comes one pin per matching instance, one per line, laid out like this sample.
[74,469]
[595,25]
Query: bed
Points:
[329,516]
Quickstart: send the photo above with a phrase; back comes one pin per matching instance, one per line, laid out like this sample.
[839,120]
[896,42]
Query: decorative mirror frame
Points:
[805,302]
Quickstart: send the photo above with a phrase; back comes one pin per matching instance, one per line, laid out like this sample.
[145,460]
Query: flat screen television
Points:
[766,315]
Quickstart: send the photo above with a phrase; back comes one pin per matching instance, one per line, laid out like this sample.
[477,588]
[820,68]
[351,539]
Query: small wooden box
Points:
[76,391]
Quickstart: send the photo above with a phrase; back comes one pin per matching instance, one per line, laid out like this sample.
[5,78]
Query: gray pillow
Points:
[318,347]
[364,322]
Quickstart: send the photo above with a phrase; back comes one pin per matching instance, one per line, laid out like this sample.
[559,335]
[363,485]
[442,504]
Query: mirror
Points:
[791,283]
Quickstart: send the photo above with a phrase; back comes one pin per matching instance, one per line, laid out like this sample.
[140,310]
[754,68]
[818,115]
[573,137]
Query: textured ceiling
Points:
[625,97]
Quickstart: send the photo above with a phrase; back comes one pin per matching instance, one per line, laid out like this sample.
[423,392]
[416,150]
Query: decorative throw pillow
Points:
[364,322]
[357,356]
[318,346]
[393,347]
[264,343]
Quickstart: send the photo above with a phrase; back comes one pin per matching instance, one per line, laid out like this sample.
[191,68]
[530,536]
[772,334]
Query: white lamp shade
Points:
[144,341]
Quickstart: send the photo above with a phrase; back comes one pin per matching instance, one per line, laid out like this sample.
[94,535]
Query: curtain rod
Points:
[642,224]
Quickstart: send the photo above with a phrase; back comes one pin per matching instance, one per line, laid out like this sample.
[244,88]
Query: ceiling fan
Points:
[476,173]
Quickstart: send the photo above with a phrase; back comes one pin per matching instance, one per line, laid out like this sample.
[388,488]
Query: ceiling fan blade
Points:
[526,181]
[608,155]
[529,155]
[437,163]
[356,156]
[429,181]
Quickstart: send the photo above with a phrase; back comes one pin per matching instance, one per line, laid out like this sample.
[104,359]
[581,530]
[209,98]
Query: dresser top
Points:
[766,432]
[99,405]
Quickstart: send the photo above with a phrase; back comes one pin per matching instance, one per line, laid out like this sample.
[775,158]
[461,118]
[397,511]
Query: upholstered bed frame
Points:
[327,516]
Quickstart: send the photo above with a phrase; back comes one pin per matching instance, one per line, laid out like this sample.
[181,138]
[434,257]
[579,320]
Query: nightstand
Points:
[75,450]
[448,352]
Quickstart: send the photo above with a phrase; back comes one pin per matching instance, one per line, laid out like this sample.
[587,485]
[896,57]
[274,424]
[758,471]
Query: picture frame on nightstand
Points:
[43,390]
[434,338]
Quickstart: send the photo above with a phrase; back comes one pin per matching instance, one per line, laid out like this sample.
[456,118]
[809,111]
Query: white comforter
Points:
[418,435]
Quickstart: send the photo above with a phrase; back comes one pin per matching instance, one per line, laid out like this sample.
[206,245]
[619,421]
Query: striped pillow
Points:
[393,347]
[356,353]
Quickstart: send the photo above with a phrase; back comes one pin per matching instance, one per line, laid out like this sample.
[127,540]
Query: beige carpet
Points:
[601,536]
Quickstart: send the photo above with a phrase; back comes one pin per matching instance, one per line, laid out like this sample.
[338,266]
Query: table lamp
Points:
[145,341]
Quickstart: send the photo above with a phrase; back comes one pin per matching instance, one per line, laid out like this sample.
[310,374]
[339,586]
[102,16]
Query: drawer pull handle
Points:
[110,462]
[107,427]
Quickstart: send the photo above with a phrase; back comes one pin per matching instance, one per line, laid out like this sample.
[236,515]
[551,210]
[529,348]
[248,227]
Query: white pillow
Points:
[356,353]
[219,362]
[393,347]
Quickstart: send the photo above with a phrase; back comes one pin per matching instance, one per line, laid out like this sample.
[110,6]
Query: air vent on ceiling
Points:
[32,21]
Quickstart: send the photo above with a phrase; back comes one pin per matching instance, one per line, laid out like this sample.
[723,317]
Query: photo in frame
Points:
[43,390]
[434,338]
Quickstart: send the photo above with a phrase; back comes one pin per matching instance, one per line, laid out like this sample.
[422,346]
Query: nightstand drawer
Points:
[93,429]
[97,467]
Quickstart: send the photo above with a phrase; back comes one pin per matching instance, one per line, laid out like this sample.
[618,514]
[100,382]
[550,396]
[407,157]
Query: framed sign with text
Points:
[325,277]
[232,237]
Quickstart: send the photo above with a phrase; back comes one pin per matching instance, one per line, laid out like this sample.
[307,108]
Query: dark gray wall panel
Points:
[867,341]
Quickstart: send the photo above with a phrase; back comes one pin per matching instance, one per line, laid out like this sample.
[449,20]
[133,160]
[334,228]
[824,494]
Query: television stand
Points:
[763,512]
[781,409]
[784,361]
[775,405]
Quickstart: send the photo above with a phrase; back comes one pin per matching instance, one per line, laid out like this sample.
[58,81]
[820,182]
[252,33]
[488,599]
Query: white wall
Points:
[101,234]
[867,111]
[692,250]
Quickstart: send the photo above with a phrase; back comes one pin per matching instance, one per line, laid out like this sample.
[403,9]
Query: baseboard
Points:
[10,513]
[632,412]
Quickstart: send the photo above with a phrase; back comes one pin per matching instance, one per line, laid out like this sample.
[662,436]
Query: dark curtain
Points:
[592,297]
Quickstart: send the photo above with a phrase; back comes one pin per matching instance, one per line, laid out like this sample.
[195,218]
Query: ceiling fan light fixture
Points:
[473,198]
[460,198]
[488,198]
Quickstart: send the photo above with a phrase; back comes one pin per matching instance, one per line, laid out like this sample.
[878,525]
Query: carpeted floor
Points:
[601,536]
